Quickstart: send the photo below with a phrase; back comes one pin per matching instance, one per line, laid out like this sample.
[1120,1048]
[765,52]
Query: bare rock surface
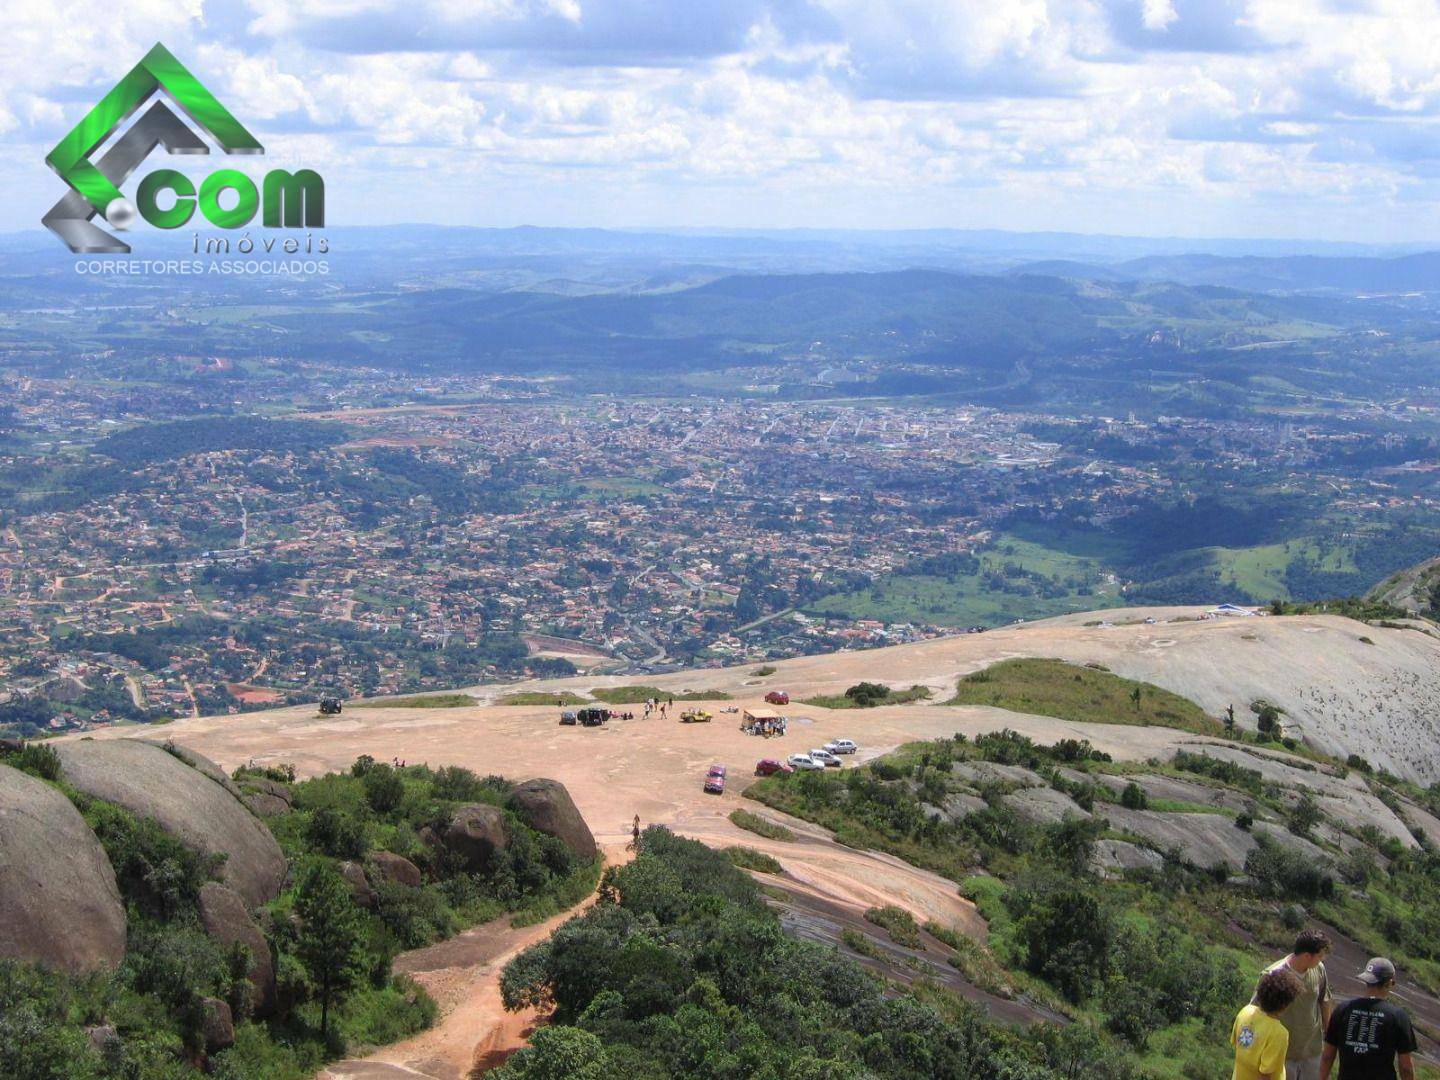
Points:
[475,835]
[989,772]
[225,919]
[546,806]
[59,904]
[204,816]
[1111,858]
[1044,805]
[396,869]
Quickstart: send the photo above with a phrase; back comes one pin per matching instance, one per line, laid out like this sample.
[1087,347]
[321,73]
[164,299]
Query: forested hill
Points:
[922,315]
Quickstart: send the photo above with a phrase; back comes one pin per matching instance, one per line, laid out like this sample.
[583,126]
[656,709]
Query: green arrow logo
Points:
[159,69]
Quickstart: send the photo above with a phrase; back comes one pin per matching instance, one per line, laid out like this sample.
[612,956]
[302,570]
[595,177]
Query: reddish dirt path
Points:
[474,1033]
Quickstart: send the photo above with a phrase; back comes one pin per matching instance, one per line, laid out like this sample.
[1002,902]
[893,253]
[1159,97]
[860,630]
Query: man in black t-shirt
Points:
[1369,1035]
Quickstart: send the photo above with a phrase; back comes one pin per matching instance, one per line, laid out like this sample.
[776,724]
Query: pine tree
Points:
[329,942]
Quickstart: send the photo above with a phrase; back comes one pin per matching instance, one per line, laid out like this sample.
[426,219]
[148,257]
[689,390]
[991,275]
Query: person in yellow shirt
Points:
[1259,1038]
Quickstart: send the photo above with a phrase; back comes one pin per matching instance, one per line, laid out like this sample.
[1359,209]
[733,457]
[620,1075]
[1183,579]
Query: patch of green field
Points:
[419,701]
[1260,571]
[750,859]
[635,695]
[1014,578]
[895,697]
[539,697]
[759,825]
[1071,692]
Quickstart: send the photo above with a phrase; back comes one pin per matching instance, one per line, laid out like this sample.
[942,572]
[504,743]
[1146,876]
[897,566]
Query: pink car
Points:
[770,766]
[715,780]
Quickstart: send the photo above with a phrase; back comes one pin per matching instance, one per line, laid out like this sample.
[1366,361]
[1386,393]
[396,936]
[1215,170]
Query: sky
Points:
[1245,118]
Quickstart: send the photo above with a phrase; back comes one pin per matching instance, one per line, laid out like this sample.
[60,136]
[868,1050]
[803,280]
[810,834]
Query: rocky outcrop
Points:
[1044,806]
[475,835]
[546,807]
[359,884]
[197,760]
[1111,858]
[396,869]
[225,919]
[981,773]
[217,1025]
[955,807]
[199,812]
[268,798]
[59,904]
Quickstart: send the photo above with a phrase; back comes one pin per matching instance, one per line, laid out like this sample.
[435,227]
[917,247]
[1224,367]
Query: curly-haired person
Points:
[1259,1038]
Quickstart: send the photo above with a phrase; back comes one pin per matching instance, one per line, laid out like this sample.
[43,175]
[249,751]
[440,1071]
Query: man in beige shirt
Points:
[1309,1014]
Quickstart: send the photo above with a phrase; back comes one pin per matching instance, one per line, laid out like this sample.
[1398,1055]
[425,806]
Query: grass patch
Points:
[859,943]
[759,826]
[750,859]
[419,701]
[898,923]
[849,701]
[1085,694]
[637,695]
[538,697]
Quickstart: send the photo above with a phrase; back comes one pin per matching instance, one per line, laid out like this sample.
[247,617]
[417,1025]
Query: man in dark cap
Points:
[1371,1036]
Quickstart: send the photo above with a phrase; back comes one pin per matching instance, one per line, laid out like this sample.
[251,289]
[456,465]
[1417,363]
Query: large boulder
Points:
[475,835]
[268,798]
[1044,806]
[197,760]
[225,919]
[1111,858]
[395,869]
[201,814]
[58,901]
[217,1025]
[546,807]
[360,889]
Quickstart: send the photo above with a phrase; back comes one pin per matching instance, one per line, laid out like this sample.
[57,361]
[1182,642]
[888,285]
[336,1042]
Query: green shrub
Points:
[158,875]
[898,923]
[760,826]
[750,859]
[35,758]
[1134,797]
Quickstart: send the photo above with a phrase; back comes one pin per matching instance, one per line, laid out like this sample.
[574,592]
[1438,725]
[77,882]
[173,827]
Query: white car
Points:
[803,762]
[824,757]
[841,746]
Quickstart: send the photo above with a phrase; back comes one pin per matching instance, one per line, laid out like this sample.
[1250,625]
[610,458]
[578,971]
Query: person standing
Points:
[1259,1038]
[1309,1014]
[1371,1037]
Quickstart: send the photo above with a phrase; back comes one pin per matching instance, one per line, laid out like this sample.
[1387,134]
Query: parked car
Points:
[841,746]
[770,766]
[715,780]
[593,716]
[694,716]
[803,762]
[829,760]
[568,717]
[778,697]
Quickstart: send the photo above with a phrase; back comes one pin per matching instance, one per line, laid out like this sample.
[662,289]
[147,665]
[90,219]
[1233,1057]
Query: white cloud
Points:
[1080,113]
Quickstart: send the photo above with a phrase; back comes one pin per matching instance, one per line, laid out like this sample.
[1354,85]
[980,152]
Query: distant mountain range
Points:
[1348,275]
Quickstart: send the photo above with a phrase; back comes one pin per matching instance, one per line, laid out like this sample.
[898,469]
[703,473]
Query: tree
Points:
[384,789]
[868,694]
[1134,797]
[328,943]
[559,1053]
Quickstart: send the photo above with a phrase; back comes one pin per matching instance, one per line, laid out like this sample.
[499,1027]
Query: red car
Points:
[778,697]
[715,780]
[770,766]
